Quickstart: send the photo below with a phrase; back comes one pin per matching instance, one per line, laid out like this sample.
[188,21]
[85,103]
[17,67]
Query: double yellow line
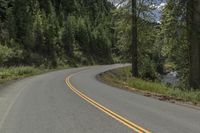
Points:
[117,117]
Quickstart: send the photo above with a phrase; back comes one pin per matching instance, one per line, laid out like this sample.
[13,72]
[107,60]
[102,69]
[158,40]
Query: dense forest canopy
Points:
[51,33]
[170,43]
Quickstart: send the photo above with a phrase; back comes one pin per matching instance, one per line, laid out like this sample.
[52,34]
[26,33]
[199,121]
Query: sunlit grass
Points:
[17,72]
[13,73]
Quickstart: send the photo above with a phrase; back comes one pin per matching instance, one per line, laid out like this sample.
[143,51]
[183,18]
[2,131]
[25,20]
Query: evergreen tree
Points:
[134,40]
[193,21]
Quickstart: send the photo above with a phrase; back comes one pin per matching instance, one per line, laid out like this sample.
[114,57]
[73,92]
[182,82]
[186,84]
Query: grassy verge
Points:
[122,78]
[13,73]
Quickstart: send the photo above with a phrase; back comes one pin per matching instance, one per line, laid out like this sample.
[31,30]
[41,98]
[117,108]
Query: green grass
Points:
[122,77]
[13,73]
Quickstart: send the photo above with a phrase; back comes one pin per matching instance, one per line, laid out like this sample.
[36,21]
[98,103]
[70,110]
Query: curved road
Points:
[81,104]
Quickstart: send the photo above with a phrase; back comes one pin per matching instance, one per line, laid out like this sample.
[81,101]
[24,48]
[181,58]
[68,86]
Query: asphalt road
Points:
[45,104]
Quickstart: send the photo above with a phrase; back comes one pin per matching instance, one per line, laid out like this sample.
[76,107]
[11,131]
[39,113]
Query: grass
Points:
[13,73]
[122,78]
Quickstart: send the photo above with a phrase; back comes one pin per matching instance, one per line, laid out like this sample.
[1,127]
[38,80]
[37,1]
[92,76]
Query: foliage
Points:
[150,61]
[50,32]
[16,72]
[122,77]
[160,43]
[174,39]
[8,55]
[84,32]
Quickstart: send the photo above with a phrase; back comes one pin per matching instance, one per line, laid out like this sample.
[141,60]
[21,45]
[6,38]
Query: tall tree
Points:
[193,21]
[134,40]
[173,37]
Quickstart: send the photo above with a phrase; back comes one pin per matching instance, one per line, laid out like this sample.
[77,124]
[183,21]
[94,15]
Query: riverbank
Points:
[122,78]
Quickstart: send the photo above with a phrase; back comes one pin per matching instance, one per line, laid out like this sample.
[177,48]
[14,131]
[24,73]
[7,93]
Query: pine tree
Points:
[193,21]
[134,40]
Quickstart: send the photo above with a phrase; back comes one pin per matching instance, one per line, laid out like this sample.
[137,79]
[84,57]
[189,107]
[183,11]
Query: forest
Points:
[53,33]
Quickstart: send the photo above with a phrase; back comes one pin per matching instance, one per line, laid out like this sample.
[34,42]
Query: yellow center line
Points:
[117,117]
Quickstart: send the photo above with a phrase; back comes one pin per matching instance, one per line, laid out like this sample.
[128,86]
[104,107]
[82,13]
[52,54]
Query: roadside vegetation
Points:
[13,73]
[48,34]
[156,36]
[172,40]
[122,78]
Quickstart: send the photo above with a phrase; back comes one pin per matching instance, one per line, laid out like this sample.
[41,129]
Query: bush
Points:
[10,56]
[147,69]
[5,54]
[16,72]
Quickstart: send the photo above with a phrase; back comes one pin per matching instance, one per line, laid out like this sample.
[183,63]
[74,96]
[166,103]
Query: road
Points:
[73,101]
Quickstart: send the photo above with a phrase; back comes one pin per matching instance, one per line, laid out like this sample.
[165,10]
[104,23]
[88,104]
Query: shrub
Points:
[5,54]
[17,72]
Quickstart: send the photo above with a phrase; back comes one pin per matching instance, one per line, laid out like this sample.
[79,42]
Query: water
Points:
[170,78]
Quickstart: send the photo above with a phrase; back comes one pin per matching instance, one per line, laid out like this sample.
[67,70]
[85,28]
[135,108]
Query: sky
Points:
[158,5]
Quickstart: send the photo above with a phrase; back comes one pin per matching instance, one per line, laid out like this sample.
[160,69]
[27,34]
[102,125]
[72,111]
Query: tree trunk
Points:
[134,40]
[193,21]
